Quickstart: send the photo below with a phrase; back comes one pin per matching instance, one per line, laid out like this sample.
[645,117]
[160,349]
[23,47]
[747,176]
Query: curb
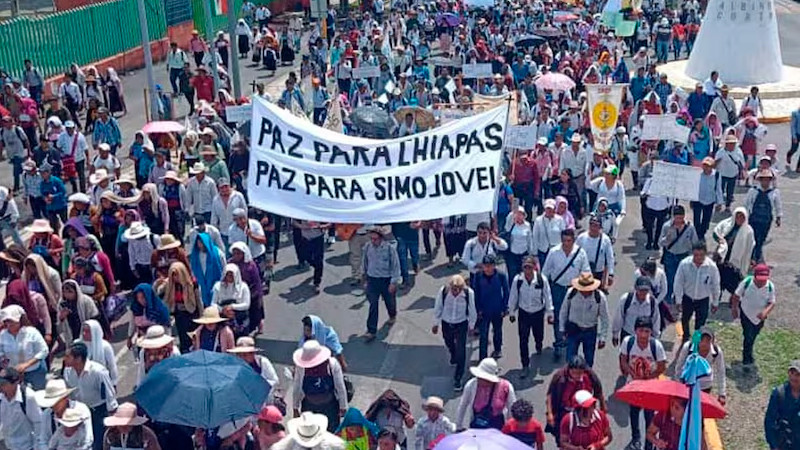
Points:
[710,429]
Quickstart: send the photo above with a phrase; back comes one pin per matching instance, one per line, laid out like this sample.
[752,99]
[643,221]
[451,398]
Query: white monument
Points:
[739,39]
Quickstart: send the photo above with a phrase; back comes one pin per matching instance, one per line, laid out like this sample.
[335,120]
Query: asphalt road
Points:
[407,357]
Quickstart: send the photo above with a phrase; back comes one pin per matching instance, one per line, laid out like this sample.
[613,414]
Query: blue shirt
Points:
[107,132]
[491,293]
[637,88]
[795,126]
[697,104]
[663,90]
[710,189]
[788,409]
[55,187]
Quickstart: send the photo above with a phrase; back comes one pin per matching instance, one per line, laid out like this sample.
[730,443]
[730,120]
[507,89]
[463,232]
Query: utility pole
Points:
[14,8]
[210,41]
[148,61]
[233,52]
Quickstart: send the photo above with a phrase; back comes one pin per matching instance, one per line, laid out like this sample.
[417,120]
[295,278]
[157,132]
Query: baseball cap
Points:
[706,330]
[761,272]
[643,284]
[489,259]
[794,365]
[550,203]
[69,124]
[13,313]
[584,399]
[270,414]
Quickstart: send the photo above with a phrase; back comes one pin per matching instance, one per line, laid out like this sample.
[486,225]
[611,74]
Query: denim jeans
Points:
[377,288]
[662,50]
[702,217]
[750,332]
[586,338]
[760,232]
[671,262]
[728,186]
[16,162]
[558,293]
[405,247]
[174,74]
[496,322]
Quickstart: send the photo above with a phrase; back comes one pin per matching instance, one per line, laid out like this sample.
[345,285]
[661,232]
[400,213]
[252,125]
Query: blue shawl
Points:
[154,309]
[213,272]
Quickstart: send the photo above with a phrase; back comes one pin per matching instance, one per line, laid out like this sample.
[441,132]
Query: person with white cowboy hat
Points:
[127,429]
[213,334]
[172,189]
[82,208]
[584,317]
[73,432]
[318,383]
[494,389]
[141,244]
[434,425]
[101,182]
[54,401]
[730,166]
[246,350]
[107,161]
[576,159]
[200,191]
[308,431]
[155,346]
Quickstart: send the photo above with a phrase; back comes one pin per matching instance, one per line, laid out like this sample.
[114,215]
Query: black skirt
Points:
[243,43]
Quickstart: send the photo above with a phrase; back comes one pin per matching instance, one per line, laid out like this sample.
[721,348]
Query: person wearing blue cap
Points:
[55,195]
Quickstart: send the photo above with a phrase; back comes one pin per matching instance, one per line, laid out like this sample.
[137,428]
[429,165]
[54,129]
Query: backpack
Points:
[444,296]
[538,285]
[574,292]
[20,135]
[749,280]
[629,300]
[632,342]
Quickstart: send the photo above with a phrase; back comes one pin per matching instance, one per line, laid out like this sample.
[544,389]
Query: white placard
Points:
[675,181]
[521,136]
[238,114]
[307,172]
[366,72]
[664,127]
[477,70]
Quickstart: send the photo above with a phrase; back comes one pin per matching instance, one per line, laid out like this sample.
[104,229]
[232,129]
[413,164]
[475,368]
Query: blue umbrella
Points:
[202,389]
[695,368]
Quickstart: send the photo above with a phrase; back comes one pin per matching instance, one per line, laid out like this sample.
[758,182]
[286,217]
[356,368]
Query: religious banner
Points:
[308,172]
[604,101]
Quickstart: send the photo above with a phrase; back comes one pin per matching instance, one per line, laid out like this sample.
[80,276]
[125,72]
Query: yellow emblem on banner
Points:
[604,115]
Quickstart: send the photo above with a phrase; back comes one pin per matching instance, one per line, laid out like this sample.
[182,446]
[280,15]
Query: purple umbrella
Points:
[448,20]
[489,439]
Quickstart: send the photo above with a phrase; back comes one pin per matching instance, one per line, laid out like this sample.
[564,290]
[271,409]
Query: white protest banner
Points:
[307,172]
[477,70]
[675,181]
[664,127]
[604,101]
[521,136]
[238,114]
[366,72]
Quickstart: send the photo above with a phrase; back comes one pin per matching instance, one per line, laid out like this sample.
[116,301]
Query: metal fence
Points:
[81,35]
[218,18]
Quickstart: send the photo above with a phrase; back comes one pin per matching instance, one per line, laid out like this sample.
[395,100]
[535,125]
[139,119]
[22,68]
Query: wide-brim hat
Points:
[433,402]
[308,430]
[245,344]
[210,315]
[486,370]
[585,282]
[135,231]
[99,176]
[731,139]
[311,354]
[171,175]
[79,197]
[41,226]
[576,138]
[125,415]
[72,417]
[168,241]
[197,167]
[156,337]
[53,391]
[125,180]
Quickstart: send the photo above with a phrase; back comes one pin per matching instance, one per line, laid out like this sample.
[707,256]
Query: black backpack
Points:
[632,342]
[629,300]
[443,293]
[539,283]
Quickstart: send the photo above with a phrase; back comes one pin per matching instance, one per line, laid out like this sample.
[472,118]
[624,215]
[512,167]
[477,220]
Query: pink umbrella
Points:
[163,126]
[566,17]
[555,81]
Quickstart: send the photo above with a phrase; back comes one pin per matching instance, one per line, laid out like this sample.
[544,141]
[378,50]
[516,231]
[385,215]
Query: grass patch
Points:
[748,392]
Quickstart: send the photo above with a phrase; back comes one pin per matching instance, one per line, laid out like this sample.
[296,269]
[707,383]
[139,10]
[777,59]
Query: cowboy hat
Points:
[72,417]
[197,167]
[125,415]
[137,230]
[41,226]
[765,173]
[576,138]
[168,241]
[109,195]
[99,176]
[486,370]
[124,179]
[309,429]
[53,391]
[585,282]
[171,175]
[210,315]
[731,139]
[311,354]
[156,337]
[208,150]
[79,197]
[244,344]
[433,402]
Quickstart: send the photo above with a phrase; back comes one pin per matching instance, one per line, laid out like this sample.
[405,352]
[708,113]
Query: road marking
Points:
[787,7]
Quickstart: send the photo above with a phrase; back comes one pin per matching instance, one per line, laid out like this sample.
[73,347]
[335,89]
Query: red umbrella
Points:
[656,394]
[164,126]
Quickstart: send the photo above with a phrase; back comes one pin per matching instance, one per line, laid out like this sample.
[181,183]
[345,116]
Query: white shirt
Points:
[547,232]
[475,250]
[426,431]
[46,429]
[557,260]
[576,163]
[521,240]
[201,194]
[710,87]
[455,309]
[614,194]
[729,162]
[89,386]
[26,345]
[754,299]
[19,427]
[110,164]
[237,234]
[524,295]
[626,320]
[222,214]
[599,250]
[64,144]
[697,282]
[642,358]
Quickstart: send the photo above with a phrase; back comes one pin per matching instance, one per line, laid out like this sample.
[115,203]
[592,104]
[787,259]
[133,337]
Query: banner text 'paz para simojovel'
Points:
[307,172]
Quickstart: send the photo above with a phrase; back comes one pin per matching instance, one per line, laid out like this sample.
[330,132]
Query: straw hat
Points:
[308,430]
[311,354]
[168,241]
[709,161]
[125,180]
[196,168]
[585,282]
[53,391]
[576,137]
[79,197]
[137,230]
[171,175]
[156,337]
[433,403]
[731,139]
[98,176]
[125,415]
[41,226]
[486,370]
[72,417]
[210,315]
[244,344]
[765,173]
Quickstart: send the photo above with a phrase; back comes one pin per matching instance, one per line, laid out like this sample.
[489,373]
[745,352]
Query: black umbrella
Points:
[529,40]
[372,121]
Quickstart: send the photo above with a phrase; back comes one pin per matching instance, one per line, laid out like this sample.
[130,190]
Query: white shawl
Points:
[742,250]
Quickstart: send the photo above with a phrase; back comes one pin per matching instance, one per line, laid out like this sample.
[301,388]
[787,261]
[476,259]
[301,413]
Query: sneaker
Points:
[634,444]
[317,289]
[391,321]
[497,354]
[457,386]
[526,371]
[355,281]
